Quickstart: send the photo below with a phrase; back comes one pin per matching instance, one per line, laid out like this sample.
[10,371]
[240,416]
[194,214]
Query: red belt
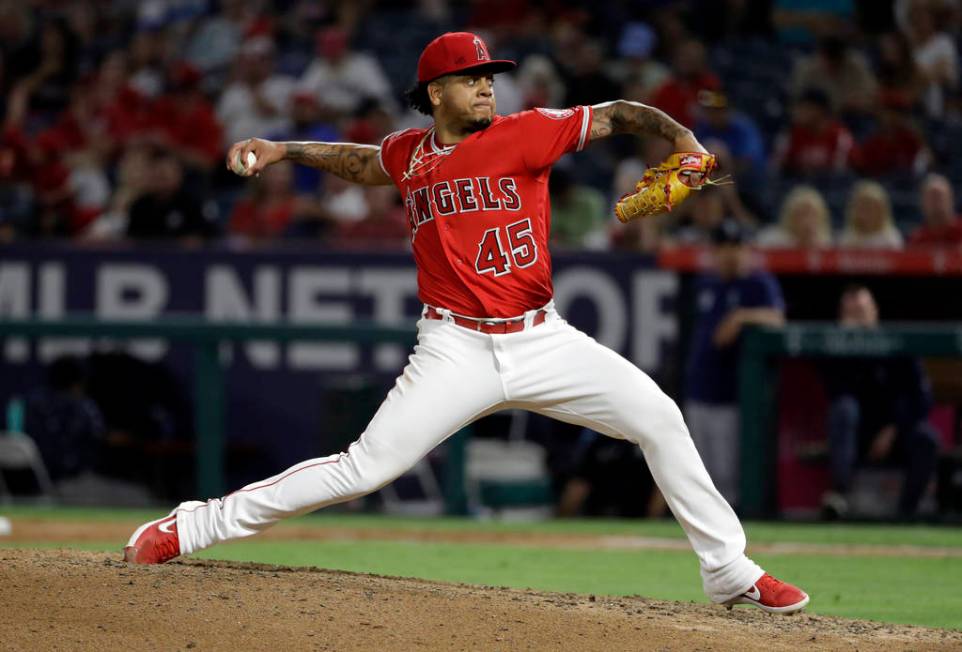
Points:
[489,327]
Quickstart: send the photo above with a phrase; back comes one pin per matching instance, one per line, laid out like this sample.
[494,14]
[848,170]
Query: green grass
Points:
[760,532]
[911,590]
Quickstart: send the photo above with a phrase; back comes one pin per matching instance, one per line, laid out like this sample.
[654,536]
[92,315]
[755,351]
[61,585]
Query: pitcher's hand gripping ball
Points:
[239,166]
[665,186]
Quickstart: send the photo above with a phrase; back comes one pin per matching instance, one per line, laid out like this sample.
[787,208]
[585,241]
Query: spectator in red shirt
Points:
[817,142]
[895,146]
[941,225]
[121,111]
[187,121]
[371,123]
[385,225]
[268,210]
[678,96]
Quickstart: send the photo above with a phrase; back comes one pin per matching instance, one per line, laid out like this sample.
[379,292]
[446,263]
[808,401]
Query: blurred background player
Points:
[735,294]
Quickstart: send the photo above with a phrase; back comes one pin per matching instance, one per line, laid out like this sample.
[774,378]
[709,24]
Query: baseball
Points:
[239,167]
[6,529]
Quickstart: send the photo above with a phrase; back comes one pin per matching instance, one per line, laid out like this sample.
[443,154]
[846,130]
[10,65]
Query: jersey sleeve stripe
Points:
[585,121]
[381,161]
[380,150]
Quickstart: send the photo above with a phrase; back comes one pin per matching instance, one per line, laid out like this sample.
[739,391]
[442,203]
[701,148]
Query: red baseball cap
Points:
[457,52]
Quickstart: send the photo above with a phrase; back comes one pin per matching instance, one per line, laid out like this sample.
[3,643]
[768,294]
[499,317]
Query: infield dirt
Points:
[73,600]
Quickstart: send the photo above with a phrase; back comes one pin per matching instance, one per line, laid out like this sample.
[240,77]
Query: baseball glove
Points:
[667,185]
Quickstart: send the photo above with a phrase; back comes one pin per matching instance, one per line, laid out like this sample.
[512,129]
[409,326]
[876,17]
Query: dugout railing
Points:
[205,337]
[757,379]
[761,347]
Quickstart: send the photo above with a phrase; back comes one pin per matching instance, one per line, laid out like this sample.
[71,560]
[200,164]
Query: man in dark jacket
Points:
[169,211]
[878,414]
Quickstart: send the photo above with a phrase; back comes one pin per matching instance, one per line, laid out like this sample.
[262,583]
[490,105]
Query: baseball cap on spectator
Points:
[458,52]
[331,42]
[729,231]
[637,41]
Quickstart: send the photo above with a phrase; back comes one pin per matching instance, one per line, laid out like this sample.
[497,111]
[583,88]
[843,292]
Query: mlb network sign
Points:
[620,300]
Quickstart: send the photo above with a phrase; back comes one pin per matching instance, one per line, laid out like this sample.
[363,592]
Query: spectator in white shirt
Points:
[340,78]
[216,40]
[935,54]
[257,102]
[868,219]
[539,82]
[804,222]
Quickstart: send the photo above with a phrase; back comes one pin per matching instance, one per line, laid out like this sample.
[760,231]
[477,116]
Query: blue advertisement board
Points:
[276,391]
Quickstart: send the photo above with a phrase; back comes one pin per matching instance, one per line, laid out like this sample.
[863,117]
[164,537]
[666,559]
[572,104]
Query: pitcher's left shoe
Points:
[154,542]
[773,596]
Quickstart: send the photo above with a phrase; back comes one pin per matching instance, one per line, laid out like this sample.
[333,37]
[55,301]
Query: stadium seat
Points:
[509,476]
[19,453]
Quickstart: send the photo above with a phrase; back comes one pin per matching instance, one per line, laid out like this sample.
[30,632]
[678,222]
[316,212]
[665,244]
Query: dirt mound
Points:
[66,599]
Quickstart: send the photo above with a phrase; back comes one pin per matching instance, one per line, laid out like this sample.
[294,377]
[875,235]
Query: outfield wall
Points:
[275,395]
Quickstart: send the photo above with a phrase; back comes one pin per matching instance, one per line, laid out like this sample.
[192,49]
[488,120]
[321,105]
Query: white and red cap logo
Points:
[457,52]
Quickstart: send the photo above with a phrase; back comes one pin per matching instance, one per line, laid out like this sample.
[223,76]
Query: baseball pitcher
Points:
[475,186]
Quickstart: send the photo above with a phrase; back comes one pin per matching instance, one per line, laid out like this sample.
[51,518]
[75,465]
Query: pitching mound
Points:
[66,599]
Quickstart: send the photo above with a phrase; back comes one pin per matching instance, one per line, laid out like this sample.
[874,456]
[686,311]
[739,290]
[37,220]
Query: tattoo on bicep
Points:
[348,161]
[600,128]
[601,121]
[623,117]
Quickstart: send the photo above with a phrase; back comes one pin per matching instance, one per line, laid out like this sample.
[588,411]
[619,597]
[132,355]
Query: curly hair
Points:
[417,98]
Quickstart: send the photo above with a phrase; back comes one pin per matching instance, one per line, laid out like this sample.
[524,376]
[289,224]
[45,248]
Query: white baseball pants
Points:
[457,375]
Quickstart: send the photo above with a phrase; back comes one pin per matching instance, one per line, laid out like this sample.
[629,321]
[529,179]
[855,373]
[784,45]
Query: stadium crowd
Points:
[838,123]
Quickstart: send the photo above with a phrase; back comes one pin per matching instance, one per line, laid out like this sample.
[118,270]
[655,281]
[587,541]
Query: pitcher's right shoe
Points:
[154,542]
[773,596]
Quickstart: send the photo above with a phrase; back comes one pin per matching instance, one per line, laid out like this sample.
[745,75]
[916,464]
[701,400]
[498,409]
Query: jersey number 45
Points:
[494,258]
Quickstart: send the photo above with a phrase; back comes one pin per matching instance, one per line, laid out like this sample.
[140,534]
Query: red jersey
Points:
[679,97]
[804,150]
[950,234]
[478,211]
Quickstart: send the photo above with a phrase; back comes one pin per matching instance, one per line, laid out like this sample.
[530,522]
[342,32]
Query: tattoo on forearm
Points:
[346,160]
[624,117]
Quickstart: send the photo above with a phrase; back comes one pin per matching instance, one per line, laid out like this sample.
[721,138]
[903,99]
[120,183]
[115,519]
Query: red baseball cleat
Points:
[154,542]
[773,596]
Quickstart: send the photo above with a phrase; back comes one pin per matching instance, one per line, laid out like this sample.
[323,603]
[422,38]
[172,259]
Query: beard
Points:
[474,126]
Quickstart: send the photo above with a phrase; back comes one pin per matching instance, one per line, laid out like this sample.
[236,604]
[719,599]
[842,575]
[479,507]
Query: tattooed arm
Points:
[624,117]
[356,163]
